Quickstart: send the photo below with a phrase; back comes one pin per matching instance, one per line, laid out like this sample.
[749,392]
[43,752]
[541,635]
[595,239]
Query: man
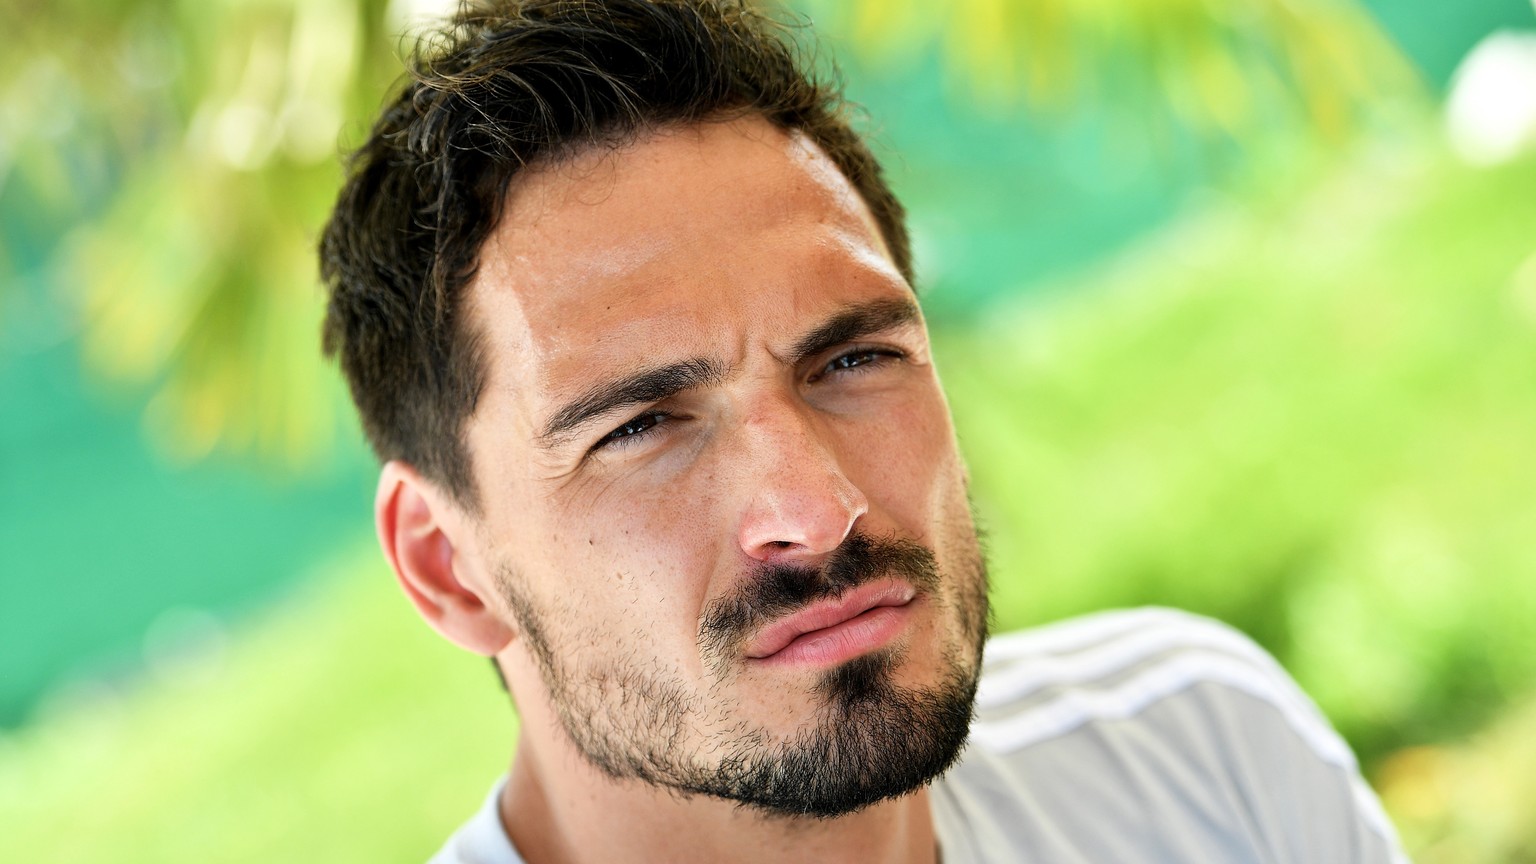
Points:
[627,310]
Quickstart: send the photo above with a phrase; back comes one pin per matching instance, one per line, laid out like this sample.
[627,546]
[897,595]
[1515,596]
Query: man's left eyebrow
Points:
[856,322]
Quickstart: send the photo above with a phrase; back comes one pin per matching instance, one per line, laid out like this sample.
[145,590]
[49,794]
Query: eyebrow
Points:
[855,322]
[647,385]
[662,382]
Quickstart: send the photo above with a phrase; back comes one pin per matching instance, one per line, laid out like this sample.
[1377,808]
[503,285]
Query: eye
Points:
[858,361]
[632,431]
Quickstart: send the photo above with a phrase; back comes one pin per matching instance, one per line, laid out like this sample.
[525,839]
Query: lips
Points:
[857,621]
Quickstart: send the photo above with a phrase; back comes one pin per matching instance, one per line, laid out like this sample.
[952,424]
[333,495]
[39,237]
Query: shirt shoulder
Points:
[481,840]
[1155,734]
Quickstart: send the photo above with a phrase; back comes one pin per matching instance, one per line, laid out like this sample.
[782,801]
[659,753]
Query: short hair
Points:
[500,85]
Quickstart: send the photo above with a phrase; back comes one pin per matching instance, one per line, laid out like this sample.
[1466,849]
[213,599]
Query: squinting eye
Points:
[848,361]
[632,431]
[857,360]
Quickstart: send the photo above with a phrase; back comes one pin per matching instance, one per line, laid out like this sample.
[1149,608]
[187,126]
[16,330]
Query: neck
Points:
[559,809]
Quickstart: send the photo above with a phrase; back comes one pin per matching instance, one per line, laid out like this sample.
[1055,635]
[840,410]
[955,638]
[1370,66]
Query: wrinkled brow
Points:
[856,322]
[638,388]
[661,382]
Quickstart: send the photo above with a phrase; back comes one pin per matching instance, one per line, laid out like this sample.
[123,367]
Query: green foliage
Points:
[337,728]
[1314,424]
[1468,801]
[1240,71]
[186,154]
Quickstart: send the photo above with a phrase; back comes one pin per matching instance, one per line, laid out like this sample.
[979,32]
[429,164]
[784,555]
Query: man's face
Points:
[712,422]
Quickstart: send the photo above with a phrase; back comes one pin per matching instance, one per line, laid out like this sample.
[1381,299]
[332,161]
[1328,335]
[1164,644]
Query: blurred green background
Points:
[1234,299]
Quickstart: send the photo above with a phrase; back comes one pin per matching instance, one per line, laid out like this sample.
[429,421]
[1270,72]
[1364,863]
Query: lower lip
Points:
[861,634]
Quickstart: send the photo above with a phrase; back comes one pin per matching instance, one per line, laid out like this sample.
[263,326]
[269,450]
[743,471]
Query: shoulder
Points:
[481,840]
[1118,663]
[1175,720]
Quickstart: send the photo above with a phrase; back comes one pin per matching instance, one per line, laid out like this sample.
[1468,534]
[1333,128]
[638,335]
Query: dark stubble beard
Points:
[871,740]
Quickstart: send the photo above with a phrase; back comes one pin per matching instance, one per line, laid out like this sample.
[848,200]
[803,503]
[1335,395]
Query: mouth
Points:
[832,631]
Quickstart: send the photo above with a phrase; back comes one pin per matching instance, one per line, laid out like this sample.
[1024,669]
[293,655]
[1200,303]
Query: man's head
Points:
[627,310]
[510,85]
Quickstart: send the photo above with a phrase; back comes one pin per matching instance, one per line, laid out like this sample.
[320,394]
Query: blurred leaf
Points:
[1240,69]
[216,126]
[1468,801]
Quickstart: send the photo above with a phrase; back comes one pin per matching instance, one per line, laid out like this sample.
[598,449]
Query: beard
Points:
[870,739]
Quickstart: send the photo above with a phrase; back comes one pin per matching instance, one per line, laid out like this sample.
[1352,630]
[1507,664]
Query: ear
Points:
[418,529]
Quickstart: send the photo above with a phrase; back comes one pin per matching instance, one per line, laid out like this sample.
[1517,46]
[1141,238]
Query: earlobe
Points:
[418,530]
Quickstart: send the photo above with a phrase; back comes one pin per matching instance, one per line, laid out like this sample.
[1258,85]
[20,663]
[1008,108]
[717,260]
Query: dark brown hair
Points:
[501,85]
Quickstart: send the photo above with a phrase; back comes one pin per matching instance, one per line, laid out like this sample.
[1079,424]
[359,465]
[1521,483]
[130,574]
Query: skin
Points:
[725,242]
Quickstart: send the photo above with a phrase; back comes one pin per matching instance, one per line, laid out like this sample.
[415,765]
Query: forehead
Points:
[697,229]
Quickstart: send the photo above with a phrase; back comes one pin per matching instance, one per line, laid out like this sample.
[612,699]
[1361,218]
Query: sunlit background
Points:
[1235,302]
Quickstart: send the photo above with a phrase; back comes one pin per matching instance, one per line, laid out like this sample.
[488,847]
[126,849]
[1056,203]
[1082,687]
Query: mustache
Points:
[775,590]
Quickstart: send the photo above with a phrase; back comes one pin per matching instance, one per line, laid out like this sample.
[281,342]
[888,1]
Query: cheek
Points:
[907,463]
[636,560]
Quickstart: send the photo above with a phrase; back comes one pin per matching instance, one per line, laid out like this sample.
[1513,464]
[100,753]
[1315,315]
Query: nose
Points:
[800,503]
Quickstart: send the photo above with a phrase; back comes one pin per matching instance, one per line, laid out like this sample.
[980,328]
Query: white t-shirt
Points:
[1147,735]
